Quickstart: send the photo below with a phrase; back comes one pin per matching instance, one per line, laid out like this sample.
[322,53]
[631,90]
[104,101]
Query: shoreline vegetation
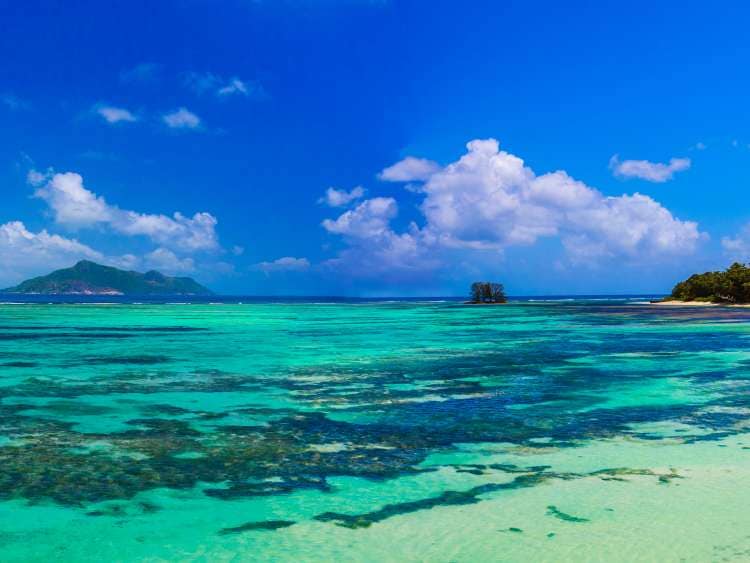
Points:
[729,288]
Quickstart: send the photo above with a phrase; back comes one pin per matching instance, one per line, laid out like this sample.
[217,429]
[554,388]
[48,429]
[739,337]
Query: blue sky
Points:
[622,161]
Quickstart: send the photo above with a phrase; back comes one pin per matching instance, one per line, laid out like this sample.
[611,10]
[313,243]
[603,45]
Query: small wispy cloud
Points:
[98,155]
[657,172]
[209,83]
[181,118]
[112,114]
[285,264]
[14,102]
[235,86]
[143,72]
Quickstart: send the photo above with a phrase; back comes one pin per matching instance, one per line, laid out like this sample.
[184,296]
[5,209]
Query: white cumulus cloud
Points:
[76,207]
[168,262]
[645,170]
[488,200]
[339,198]
[409,169]
[72,204]
[373,247]
[181,118]
[738,247]
[369,219]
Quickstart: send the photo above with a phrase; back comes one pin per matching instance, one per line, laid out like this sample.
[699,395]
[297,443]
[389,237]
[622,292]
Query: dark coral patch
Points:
[564,516]
[254,526]
[448,498]
[266,488]
[68,335]
[141,360]
[406,407]
[73,408]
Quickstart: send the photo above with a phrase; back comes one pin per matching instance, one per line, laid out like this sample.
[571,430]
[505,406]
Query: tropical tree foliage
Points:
[487,292]
[729,286]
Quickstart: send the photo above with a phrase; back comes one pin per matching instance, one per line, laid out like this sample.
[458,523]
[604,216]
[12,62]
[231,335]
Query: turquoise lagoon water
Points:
[382,431]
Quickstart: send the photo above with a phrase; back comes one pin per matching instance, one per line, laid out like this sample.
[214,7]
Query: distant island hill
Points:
[90,278]
[730,287]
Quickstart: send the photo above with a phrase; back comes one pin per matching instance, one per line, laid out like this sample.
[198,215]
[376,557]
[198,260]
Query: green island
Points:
[731,286]
[90,278]
[486,293]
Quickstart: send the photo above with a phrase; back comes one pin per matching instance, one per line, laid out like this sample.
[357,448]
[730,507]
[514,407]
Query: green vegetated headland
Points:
[730,286]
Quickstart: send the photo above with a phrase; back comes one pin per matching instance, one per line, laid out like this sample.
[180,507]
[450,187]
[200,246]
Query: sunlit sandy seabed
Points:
[374,432]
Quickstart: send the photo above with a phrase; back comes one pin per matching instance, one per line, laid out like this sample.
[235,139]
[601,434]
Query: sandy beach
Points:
[676,303]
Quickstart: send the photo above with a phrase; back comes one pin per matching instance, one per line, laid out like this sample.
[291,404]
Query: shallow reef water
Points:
[382,431]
